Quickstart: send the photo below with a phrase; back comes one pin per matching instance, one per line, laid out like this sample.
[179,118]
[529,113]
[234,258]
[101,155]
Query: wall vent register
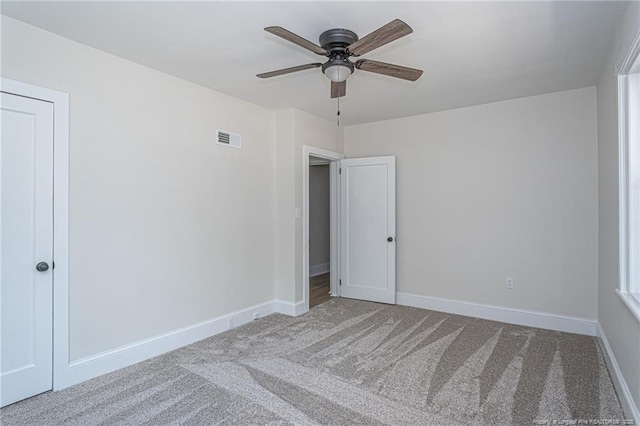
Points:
[229,139]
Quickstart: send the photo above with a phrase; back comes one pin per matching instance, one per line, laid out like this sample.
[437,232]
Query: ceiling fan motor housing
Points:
[335,41]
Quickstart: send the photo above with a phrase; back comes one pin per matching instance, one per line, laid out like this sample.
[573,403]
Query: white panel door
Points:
[368,229]
[26,234]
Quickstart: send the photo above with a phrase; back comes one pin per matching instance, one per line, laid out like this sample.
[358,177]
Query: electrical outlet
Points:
[510,283]
[256,315]
[231,323]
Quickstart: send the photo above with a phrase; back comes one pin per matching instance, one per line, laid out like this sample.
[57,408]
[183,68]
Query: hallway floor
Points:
[319,290]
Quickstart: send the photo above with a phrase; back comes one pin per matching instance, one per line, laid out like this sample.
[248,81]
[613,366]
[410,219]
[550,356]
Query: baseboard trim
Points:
[106,362]
[626,399]
[289,308]
[319,269]
[499,313]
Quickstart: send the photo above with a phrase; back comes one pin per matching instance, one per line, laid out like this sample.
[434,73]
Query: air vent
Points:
[229,139]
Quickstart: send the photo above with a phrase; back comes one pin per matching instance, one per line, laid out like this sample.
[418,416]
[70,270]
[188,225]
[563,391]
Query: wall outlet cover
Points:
[510,283]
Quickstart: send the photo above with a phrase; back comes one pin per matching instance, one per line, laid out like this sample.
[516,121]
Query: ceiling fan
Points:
[339,45]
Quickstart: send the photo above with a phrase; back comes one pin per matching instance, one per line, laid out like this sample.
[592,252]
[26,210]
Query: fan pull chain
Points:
[338,114]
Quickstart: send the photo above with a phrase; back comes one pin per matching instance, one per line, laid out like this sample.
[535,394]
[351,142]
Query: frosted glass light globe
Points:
[337,73]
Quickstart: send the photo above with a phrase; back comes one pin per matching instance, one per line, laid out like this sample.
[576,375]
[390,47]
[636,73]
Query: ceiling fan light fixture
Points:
[337,70]
[337,73]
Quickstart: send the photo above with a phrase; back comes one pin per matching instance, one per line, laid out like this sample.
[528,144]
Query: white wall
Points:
[167,228]
[507,189]
[285,185]
[620,326]
[319,218]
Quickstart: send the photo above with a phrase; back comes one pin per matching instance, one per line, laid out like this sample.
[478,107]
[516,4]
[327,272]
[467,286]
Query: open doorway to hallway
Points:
[329,163]
[319,231]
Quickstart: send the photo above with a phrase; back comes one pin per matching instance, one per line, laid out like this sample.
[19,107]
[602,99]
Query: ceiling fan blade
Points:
[294,38]
[383,35]
[338,90]
[391,70]
[289,70]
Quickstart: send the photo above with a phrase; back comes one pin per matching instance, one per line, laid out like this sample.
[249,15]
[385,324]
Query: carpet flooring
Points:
[349,362]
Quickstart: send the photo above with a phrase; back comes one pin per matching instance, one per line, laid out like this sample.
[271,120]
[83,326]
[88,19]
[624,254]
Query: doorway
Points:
[319,231]
[362,226]
[320,262]
[34,235]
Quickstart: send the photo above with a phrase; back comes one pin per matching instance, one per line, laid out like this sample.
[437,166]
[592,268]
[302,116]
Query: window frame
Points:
[628,76]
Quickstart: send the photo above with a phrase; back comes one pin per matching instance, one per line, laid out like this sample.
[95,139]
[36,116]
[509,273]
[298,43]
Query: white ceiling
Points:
[472,52]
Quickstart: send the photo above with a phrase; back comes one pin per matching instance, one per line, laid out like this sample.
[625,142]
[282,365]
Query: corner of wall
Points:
[284,204]
[621,344]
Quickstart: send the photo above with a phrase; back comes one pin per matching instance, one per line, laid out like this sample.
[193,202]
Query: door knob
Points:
[390,239]
[42,267]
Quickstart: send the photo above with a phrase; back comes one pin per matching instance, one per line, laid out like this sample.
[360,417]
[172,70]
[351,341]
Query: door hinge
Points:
[340,171]
[340,282]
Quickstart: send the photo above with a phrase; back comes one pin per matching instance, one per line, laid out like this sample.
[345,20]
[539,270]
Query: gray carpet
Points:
[349,362]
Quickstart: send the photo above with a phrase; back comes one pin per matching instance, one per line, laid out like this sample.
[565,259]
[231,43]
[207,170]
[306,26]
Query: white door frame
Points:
[60,103]
[334,215]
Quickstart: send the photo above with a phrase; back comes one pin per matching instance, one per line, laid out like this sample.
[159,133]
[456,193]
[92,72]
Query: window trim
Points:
[631,299]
